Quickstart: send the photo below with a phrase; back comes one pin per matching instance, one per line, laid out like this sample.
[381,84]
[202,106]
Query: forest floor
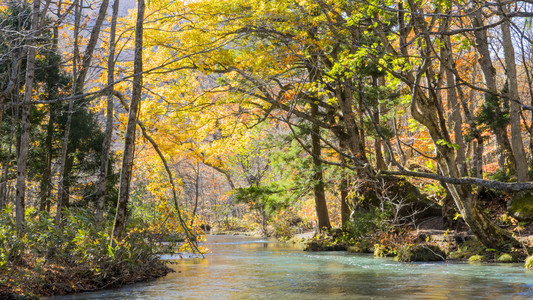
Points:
[26,282]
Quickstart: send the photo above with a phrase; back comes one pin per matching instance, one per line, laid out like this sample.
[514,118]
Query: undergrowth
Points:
[52,260]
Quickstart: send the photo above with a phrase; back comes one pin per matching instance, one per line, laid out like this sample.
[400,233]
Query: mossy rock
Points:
[469,248]
[522,206]
[326,244]
[420,253]
[505,258]
[477,258]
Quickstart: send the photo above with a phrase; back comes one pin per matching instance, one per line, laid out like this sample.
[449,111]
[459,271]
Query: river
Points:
[254,268]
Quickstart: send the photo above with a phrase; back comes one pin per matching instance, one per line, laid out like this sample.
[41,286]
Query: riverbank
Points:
[413,245]
[46,259]
[28,280]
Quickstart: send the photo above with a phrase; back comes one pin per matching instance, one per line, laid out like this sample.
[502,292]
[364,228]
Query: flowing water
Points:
[253,268]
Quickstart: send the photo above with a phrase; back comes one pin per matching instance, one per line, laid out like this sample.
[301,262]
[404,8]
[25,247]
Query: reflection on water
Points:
[244,268]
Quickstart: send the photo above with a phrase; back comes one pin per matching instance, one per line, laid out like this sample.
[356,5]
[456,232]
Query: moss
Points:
[505,258]
[522,206]
[325,243]
[420,253]
[529,262]
[467,249]
[477,258]
[362,246]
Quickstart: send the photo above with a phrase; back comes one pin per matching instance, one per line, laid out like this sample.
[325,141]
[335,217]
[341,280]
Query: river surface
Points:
[254,268]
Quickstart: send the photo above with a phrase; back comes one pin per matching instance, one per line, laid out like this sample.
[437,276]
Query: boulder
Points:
[420,253]
[521,206]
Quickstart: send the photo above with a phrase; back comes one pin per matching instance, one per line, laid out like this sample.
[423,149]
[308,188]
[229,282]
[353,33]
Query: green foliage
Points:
[381,250]
[287,223]
[492,114]
[262,197]
[500,175]
[364,222]
[469,248]
[44,258]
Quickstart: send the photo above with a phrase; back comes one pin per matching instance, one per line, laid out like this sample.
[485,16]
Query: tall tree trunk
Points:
[345,209]
[380,162]
[318,185]
[22,159]
[355,143]
[129,143]
[106,147]
[5,168]
[516,129]
[456,119]
[61,192]
[46,182]
[91,45]
[504,152]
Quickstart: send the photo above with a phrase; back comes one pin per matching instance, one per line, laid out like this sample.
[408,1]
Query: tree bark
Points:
[91,45]
[355,144]
[504,152]
[46,182]
[129,143]
[62,195]
[380,162]
[106,147]
[516,130]
[456,119]
[345,209]
[22,159]
[318,182]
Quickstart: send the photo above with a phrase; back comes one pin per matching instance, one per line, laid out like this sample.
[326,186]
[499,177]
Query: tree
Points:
[22,157]
[106,147]
[129,143]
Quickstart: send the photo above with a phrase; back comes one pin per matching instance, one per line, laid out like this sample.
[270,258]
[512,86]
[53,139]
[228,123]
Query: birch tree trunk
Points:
[61,192]
[22,158]
[91,45]
[104,167]
[129,143]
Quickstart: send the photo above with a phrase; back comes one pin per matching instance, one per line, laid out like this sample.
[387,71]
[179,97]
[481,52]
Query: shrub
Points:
[364,222]
[78,257]
[529,262]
